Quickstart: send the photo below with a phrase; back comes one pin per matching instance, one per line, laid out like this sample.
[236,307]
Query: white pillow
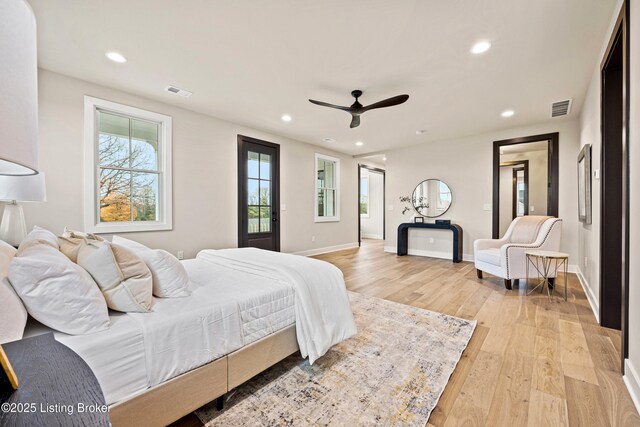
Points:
[13,315]
[170,279]
[122,276]
[39,235]
[57,292]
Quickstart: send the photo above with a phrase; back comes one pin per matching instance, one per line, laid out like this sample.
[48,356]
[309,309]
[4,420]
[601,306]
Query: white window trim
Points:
[336,217]
[367,215]
[91,166]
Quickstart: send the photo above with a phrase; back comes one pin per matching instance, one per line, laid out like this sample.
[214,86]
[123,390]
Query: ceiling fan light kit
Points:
[356,109]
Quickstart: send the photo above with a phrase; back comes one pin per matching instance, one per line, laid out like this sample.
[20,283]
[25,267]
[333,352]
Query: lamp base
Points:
[13,227]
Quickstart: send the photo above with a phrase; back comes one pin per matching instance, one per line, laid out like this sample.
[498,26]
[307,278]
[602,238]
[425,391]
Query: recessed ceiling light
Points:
[359,143]
[286,118]
[480,47]
[328,140]
[116,57]
[384,159]
[507,113]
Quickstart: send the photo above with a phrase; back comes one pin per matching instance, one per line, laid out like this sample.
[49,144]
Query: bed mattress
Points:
[225,311]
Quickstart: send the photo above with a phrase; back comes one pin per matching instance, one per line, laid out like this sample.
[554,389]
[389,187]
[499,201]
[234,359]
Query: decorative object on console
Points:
[18,89]
[418,219]
[15,189]
[584,184]
[506,258]
[443,221]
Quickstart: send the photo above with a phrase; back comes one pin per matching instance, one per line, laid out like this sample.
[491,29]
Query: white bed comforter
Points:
[322,310]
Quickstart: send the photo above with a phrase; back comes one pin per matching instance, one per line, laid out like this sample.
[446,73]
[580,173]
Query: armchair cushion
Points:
[527,228]
[491,256]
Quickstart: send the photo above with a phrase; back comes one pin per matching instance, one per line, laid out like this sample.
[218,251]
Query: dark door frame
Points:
[620,35]
[275,188]
[553,173]
[384,196]
[514,185]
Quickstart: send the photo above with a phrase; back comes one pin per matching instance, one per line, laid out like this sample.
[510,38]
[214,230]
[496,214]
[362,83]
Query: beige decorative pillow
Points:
[70,242]
[123,277]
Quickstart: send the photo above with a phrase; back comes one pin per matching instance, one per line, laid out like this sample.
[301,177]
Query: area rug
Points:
[391,373]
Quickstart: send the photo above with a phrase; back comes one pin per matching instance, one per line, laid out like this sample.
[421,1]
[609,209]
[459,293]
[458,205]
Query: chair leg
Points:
[479,273]
[516,282]
[552,282]
[507,283]
[220,403]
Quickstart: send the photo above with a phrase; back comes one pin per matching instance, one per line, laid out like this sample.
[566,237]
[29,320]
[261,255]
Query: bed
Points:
[248,309]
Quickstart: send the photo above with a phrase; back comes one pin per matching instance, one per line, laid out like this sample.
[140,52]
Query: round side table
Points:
[547,264]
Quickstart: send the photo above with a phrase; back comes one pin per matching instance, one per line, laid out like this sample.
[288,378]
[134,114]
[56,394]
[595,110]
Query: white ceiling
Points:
[251,61]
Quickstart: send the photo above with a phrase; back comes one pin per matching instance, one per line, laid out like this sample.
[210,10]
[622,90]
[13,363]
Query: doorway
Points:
[614,165]
[258,194]
[537,156]
[371,201]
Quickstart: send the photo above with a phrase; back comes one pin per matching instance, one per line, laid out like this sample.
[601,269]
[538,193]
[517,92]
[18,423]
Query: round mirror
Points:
[431,198]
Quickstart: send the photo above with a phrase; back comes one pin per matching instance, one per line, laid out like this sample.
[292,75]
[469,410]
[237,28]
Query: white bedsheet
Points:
[322,310]
[226,310]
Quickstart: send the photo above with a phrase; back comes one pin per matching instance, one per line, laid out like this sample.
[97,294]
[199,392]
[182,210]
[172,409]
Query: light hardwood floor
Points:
[530,362]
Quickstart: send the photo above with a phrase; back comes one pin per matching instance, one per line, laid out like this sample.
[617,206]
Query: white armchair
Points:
[506,258]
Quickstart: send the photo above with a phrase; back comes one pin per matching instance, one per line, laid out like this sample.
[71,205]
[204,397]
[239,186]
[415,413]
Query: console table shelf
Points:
[403,237]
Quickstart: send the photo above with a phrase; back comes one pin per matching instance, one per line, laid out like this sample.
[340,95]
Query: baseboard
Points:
[318,251]
[372,236]
[593,302]
[632,381]
[431,254]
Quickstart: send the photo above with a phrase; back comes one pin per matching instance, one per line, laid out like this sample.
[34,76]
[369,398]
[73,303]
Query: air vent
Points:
[178,91]
[561,108]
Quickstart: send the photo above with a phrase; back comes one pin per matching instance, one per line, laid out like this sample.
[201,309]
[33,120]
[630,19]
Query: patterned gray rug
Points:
[391,373]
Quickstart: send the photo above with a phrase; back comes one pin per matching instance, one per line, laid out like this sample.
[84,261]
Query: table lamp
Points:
[18,89]
[14,189]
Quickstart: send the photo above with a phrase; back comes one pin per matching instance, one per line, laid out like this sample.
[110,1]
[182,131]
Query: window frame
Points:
[367,215]
[336,188]
[91,200]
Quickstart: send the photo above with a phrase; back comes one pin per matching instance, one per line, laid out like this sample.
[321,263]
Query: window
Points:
[444,196]
[127,168]
[327,188]
[364,197]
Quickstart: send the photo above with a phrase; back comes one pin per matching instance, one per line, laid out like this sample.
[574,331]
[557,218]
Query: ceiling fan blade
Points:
[396,100]
[355,121]
[325,104]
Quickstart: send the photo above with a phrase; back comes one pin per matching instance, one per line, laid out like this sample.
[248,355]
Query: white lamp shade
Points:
[18,89]
[30,188]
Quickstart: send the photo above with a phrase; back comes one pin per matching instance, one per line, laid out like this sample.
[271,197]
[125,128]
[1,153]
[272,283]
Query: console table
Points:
[403,237]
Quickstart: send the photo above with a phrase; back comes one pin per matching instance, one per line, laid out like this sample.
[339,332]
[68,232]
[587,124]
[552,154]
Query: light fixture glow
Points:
[286,118]
[507,113]
[328,140]
[384,159]
[480,47]
[359,143]
[116,57]
[420,131]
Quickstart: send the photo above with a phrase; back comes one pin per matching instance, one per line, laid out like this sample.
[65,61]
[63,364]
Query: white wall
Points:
[372,226]
[589,234]
[466,166]
[204,175]
[633,363]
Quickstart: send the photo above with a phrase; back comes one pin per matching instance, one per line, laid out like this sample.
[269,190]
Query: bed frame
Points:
[171,400]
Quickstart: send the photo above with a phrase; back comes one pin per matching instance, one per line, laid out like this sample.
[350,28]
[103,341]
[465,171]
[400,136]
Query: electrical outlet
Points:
[390,207]
[532,208]
[486,206]
[283,207]
[586,261]
[180,254]
[313,238]
[431,240]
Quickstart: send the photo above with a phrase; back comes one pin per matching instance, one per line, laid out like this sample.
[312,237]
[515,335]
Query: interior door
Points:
[258,194]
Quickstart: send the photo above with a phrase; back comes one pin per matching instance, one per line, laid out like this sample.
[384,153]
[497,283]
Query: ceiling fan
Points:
[357,109]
